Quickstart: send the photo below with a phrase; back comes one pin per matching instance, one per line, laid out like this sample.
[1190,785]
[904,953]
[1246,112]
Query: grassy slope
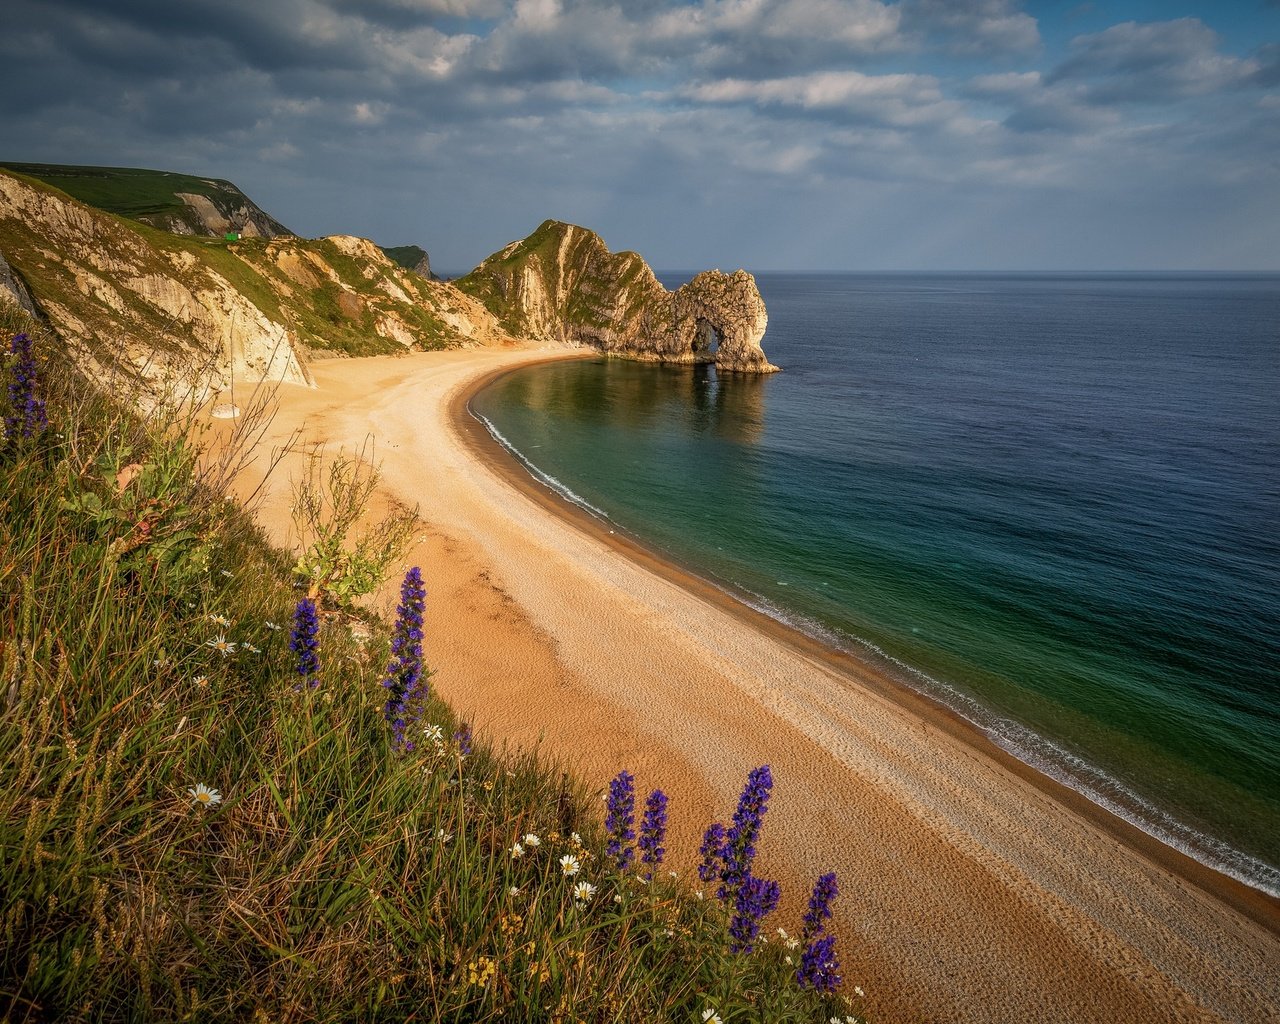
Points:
[314,312]
[338,879]
[132,192]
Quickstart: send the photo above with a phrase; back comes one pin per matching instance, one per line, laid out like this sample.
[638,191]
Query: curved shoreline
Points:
[972,889]
[1259,906]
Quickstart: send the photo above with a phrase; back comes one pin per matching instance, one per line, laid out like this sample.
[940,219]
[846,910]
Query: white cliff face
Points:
[107,291]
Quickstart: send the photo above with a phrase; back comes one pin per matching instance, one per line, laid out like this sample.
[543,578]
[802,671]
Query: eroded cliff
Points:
[562,284]
[163,308]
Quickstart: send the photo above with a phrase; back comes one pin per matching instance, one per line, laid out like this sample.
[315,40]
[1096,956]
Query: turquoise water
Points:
[1049,502]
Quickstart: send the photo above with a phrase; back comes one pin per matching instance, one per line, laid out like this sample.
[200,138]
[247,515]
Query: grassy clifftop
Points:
[155,198]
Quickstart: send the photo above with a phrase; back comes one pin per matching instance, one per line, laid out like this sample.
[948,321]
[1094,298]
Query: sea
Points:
[1050,502]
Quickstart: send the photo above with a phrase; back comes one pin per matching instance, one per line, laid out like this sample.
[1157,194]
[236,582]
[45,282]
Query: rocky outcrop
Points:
[12,290]
[411,257]
[216,215]
[562,284]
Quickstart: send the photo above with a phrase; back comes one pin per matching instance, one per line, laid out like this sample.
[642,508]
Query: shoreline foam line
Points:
[1257,901]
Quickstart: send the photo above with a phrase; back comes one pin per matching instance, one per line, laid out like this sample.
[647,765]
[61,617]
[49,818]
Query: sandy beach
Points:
[972,888]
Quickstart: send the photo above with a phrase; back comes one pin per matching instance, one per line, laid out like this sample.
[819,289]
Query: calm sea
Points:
[1051,502]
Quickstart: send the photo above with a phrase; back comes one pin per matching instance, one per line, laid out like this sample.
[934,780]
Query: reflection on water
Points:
[729,406]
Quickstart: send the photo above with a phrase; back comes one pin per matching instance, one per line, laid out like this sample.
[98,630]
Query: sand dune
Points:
[971,888]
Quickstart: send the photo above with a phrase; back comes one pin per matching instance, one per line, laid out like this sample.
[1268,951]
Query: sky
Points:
[765,134]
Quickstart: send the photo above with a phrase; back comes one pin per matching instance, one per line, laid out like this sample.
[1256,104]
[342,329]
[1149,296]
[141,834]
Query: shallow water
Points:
[1049,501]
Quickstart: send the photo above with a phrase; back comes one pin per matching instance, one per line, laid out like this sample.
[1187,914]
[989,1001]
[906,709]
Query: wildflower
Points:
[673,874]
[221,645]
[824,891]
[443,836]
[788,959]
[204,796]
[272,626]
[583,892]
[740,841]
[709,1016]
[27,416]
[201,681]
[304,642]
[514,891]
[575,839]
[793,943]
[619,817]
[819,969]
[711,850]
[220,620]
[517,851]
[569,865]
[462,737]
[479,971]
[698,894]
[531,840]
[857,990]
[251,649]
[227,574]
[755,898]
[617,897]
[404,677]
[653,830]
[434,733]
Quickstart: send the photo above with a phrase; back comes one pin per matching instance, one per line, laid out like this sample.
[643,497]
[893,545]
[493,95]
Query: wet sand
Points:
[972,887]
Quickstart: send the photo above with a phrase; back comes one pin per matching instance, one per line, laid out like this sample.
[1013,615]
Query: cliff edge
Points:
[562,284]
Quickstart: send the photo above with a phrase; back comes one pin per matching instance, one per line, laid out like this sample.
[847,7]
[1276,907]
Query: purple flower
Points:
[26,416]
[462,737]
[653,830]
[755,899]
[620,816]
[824,891]
[740,842]
[404,674]
[819,968]
[712,850]
[304,642]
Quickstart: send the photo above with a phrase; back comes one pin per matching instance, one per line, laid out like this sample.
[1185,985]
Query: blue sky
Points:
[770,134]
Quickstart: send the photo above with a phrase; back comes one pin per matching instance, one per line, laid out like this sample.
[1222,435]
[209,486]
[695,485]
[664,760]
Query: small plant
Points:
[405,678]
[340,564]
[305,642]
[26,417]
[619,819]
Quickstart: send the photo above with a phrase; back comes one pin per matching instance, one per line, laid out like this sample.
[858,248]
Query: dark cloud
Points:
[701,133]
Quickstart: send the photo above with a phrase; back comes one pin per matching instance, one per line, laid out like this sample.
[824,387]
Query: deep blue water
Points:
[1051,502]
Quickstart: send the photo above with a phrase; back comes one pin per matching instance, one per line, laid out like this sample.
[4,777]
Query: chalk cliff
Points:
[562,284]
[165,310]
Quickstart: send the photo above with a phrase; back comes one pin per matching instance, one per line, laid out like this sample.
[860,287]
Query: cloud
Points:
[751,118]
[1152,62]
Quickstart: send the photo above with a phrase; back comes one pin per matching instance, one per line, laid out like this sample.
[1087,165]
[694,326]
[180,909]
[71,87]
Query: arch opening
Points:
[706,341]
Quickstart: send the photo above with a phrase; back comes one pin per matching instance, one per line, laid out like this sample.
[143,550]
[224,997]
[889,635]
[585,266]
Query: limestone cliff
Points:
[163,307]
[181,203]
[411,257]
[562,284]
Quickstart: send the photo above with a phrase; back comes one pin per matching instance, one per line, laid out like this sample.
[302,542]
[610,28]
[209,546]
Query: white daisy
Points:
[222,645]
[569,865]
[443,836]
[531,840]
[709,1016]
[517,850]
[220,620]
[583,892]
[514,891]
[204,796]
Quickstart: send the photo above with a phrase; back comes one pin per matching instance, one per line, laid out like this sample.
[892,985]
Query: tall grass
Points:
[144,659]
